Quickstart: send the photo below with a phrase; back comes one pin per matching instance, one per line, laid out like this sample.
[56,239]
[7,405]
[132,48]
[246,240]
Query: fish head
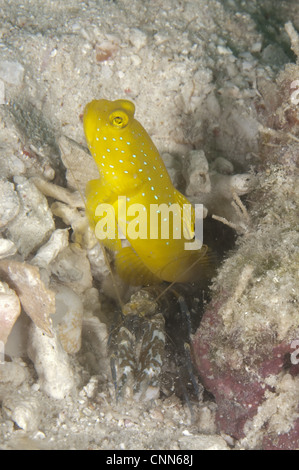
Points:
[105,121]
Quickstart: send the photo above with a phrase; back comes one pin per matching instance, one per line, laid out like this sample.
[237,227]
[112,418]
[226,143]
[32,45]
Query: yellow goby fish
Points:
[132,172]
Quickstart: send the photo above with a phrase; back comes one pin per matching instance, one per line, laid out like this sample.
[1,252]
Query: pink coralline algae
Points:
[240,388]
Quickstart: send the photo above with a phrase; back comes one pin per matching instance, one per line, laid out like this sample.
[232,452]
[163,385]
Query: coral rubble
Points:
[244,346]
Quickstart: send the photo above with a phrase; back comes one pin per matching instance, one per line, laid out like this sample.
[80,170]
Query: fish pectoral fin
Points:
[190,266]
[188,215]
[132,269]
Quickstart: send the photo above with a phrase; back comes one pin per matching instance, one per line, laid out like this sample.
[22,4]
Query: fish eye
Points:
[119,119]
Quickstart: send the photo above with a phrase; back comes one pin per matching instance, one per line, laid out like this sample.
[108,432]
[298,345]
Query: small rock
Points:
[12,373]
[91,387]
[203,442]
[138,38]
[256,47]
[11,72]
[24,411]
[224,50]
[206,415]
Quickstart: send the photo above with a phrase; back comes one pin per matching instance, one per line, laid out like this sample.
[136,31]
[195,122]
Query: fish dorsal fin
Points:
[132,269]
